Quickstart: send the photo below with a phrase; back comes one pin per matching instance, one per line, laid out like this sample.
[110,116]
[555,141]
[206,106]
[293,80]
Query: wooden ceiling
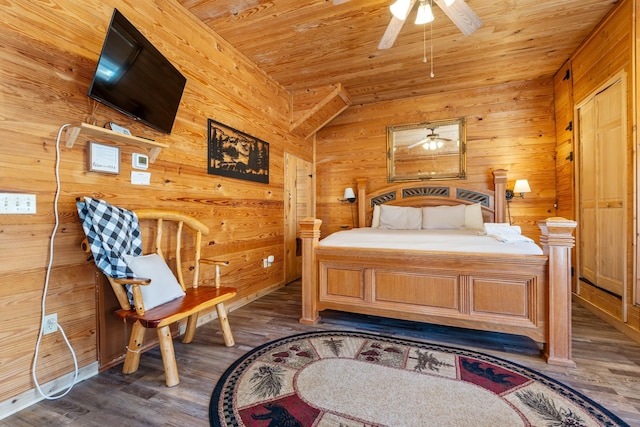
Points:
[306,44]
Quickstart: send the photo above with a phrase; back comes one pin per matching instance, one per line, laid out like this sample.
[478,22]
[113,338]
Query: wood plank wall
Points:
[509,126]
[47,58]
[603,55]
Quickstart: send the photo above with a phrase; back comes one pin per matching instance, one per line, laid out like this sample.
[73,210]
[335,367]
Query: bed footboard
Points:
[518,294]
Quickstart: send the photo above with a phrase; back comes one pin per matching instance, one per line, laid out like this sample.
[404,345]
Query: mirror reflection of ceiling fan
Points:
[457,10]
[430,142]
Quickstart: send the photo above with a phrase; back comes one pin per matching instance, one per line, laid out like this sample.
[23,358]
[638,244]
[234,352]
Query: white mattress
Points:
[428,240]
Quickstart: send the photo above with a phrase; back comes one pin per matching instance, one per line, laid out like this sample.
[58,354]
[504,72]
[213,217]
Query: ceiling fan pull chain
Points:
[424,43]
[431,42]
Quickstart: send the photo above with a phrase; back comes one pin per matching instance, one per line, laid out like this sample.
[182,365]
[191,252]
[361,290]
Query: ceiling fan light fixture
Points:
[425,14]
[448,2]
[400,9]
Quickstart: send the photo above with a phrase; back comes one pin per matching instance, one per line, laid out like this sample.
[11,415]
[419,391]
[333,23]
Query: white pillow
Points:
[443,217]
[375,220]
[473,217]
[400,218]
[164,286]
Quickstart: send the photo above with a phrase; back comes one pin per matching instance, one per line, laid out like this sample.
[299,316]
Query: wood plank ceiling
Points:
[306,44]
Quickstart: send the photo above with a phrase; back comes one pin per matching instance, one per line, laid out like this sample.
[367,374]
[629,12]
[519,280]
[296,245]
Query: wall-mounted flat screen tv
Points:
[134,78]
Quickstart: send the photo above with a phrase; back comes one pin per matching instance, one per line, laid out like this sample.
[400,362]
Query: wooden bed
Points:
[527,295]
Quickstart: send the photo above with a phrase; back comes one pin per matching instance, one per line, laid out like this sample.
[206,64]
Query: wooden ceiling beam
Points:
[314,108]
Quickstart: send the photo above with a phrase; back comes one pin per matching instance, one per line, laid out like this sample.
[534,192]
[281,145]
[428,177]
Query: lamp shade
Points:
[400,9]
[522,186]
[349,194]
[425,14]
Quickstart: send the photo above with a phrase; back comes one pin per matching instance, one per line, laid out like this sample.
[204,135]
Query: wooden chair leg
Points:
[168,356]
[190,332]
[224,325]
[132,358]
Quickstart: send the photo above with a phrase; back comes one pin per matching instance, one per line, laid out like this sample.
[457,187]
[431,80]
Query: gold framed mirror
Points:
[426,151]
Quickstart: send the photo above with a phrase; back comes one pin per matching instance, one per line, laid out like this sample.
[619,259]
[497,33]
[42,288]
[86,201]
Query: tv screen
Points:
[134,78]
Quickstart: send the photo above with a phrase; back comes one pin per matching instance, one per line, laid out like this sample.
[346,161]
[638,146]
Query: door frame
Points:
[292,262]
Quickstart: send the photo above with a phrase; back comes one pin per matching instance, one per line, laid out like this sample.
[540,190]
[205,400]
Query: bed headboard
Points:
[419,194]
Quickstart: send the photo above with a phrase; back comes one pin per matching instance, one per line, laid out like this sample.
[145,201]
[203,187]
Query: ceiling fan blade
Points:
[415,144]
[336,2]
[462,15]
[392,31]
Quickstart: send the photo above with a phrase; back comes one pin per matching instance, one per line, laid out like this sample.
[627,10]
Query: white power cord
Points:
[46,287]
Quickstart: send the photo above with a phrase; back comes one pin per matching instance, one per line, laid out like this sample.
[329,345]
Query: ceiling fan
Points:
[432,140]
[457,10]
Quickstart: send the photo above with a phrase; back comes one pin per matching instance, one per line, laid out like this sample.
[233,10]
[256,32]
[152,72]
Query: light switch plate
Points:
[15,203]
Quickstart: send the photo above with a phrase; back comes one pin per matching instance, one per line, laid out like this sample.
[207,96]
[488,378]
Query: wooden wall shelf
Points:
[90,130]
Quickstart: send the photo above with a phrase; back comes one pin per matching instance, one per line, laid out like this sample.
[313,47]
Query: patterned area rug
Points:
[358,379]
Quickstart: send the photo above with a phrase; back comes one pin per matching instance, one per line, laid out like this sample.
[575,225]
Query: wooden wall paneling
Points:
[47,58]
[634,316]
[509,126]
[606,52]
[565,149]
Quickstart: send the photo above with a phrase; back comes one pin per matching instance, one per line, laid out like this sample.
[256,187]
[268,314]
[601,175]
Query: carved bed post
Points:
[499,198]
[557,240]
[362,205]
[310,235]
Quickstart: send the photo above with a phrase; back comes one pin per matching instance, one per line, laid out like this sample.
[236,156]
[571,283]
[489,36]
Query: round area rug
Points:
[359,379]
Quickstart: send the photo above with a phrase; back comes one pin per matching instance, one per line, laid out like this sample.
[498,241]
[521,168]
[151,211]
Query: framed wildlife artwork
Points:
[235,154]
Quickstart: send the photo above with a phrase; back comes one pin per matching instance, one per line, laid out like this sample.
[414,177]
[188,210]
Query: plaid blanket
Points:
[112,232]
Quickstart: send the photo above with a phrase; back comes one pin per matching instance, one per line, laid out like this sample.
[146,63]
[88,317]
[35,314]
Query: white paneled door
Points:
[602,189]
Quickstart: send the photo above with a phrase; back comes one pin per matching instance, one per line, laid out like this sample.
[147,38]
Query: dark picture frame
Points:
[235,154]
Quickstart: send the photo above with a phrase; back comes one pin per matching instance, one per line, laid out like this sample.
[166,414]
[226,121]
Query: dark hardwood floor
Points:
[608,366]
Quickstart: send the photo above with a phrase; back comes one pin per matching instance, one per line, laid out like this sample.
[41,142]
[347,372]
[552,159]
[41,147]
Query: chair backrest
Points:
[165,232]
[169,246]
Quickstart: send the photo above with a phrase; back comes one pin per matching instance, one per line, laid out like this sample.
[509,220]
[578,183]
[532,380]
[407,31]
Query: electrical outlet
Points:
[50,323]
[14,203]
[266,262]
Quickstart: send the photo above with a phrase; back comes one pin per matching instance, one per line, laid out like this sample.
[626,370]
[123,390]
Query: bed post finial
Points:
[557,240]
[500,200]
[362,202]
[310,235]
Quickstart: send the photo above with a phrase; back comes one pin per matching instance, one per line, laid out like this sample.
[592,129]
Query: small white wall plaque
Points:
[140,178]
[103,158]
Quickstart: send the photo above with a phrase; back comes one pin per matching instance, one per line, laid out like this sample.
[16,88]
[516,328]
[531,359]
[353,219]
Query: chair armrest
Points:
[135,283]
[132,281]
[213,261]
[217,263]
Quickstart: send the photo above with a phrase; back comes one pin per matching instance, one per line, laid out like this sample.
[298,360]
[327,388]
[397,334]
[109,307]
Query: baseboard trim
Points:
[612,320]
[60,384]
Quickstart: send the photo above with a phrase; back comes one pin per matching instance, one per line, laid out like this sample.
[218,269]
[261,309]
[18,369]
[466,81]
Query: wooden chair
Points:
[196,299]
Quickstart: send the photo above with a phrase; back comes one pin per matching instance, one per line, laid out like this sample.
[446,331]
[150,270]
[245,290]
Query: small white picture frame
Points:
[103,158]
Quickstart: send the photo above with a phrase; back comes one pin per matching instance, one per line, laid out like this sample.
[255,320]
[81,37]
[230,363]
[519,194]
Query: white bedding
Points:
[428,240]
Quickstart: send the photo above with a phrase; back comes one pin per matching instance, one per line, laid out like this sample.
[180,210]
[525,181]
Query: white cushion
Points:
[400,218]
[473,217]
[443,217]
[164,286]
[375,220]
